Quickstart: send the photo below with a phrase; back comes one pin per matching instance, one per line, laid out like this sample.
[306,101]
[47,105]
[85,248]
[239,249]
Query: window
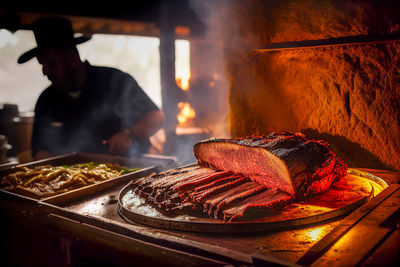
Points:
[22,83]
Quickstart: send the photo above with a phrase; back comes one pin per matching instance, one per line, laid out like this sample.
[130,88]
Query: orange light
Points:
[182,79]
[186,112]
[182,30]
[182,63]
[316,234]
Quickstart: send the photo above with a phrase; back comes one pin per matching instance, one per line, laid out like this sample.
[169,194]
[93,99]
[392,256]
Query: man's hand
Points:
[119,143]
[42,154]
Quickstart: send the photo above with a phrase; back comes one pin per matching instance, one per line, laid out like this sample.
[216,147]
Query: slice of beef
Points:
[162,189]
[214,204]
[201,188]
[257,206]
[172,179]
[230,201]
[203,195]
[211,177]
[289,162]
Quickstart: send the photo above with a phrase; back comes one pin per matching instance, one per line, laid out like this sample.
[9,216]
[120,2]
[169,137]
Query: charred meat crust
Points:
[291,162]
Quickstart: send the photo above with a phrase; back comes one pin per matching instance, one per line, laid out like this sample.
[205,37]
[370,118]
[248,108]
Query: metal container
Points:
[148,163]
[17,127]
[21,133]
[4,148]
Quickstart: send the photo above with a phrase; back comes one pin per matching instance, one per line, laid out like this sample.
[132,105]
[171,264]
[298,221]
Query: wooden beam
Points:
[340,41]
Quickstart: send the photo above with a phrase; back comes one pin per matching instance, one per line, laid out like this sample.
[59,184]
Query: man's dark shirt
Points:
[110,101]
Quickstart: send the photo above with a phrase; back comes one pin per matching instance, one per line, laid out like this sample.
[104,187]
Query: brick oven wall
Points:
[348,95]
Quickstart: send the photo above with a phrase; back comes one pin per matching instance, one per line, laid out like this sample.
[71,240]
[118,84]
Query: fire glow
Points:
[183,80]
[316,234]
[182,64]
[186,112]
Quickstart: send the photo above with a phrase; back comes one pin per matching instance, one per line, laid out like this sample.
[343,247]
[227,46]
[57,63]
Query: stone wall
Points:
[348,95]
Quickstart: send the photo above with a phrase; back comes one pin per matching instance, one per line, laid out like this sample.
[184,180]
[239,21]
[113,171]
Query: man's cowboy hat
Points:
[51,32]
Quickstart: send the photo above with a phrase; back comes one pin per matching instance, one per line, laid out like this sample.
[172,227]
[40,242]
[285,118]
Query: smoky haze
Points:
[208,84]
[207,93]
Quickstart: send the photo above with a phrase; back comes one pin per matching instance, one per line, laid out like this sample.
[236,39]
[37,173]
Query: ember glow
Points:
[186,113]
[316,234]
[182,79]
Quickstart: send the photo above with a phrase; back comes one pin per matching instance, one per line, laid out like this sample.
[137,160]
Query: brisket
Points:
[243,178]
[290,162]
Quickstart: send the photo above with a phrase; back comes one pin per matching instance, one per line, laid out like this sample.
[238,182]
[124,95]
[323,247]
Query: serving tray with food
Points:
[69,176]
[250,184]
[46,180]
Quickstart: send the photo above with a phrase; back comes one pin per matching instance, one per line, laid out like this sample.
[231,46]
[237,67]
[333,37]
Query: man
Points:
[86,108]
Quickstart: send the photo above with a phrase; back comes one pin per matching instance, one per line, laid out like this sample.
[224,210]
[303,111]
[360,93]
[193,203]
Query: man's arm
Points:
[42,154]
[148,125]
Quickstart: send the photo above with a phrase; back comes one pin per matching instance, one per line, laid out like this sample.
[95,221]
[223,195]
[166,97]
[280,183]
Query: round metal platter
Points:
[344,196]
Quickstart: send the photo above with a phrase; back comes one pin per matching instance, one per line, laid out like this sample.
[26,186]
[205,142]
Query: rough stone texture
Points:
[349,95]
[351,92]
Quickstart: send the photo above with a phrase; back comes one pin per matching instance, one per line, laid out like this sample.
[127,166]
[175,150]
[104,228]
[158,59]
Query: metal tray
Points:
[133,209]
[148,163]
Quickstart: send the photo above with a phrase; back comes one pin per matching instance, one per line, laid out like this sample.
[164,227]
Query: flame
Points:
[186,112]
[182,79]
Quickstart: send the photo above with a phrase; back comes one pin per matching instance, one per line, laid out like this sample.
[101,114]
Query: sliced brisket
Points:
[244,178]
[209,195]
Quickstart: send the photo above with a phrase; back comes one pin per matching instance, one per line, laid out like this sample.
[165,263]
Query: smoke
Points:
[202,9]
[209,84]
[221,19]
